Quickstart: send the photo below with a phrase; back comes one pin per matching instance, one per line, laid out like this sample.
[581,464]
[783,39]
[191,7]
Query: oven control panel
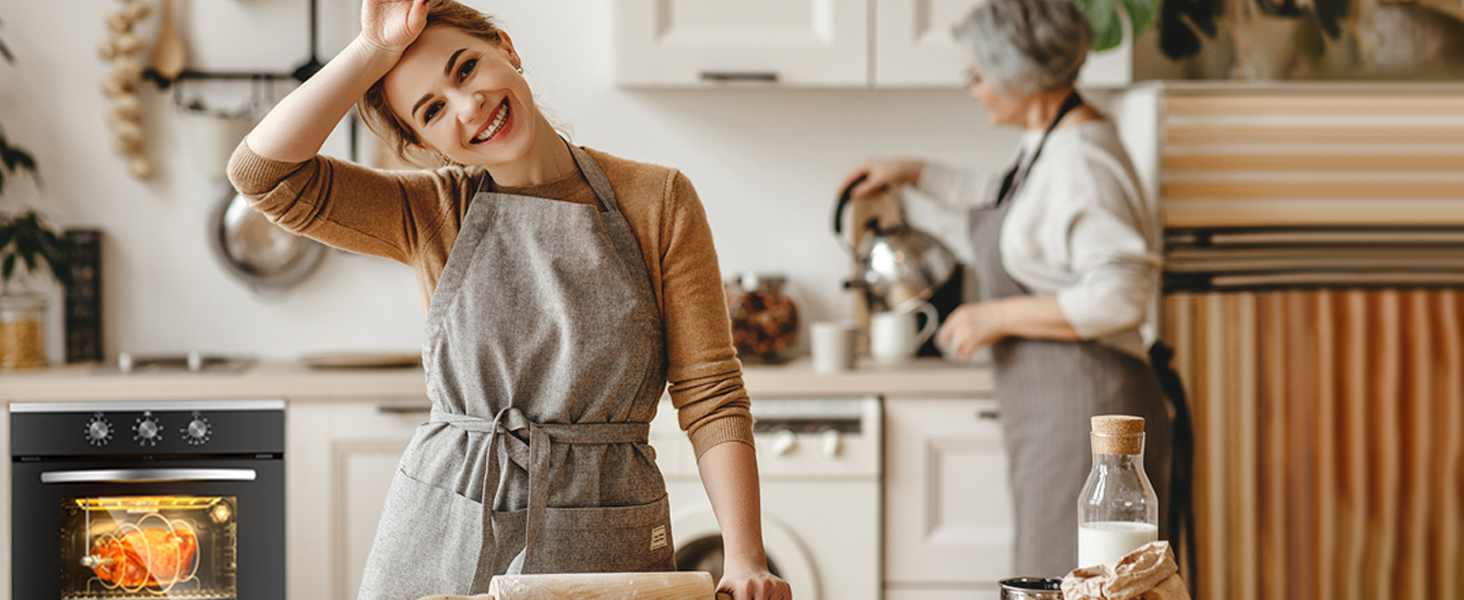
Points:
[120,428]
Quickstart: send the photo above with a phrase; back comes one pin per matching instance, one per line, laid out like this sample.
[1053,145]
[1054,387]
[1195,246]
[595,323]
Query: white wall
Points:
[766,163]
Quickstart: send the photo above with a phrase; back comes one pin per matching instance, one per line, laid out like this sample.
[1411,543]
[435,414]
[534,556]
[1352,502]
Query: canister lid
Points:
[1118,434]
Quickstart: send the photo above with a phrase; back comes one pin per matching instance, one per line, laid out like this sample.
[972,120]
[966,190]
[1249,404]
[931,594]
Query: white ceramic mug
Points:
[895,337]
[833,344]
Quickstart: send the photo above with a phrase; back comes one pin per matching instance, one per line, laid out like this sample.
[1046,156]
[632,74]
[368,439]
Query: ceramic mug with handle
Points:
[896,335]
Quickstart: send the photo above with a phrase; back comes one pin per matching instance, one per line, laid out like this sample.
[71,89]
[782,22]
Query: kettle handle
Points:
[844,200]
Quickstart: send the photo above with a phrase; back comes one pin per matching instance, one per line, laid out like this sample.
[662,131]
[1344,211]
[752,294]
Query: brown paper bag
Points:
[1148,573]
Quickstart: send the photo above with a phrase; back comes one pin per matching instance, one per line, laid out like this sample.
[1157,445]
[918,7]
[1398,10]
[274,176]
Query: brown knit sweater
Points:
[413,217]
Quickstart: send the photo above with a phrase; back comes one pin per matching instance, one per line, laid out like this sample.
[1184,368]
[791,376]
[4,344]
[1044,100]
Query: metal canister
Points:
[1031,588]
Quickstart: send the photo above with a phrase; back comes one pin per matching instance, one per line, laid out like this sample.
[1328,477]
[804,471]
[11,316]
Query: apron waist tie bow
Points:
[533,457]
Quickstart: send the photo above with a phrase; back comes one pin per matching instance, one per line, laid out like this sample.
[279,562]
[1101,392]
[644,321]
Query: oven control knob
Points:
[147,430]
[197,431]
[785,442]
[832,443]
[98,431]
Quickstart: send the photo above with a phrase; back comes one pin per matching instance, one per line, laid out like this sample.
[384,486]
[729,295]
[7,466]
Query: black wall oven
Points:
[179,500]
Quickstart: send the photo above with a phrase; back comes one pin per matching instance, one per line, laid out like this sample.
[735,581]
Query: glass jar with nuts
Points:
[22,339]
[765,319]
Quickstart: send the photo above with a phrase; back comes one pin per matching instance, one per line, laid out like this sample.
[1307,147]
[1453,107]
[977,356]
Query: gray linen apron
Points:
[1047,391]
[545,361]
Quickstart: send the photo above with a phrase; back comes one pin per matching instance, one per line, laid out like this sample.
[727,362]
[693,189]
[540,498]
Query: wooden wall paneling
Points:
[1449,523]
[1261,158]
[1210,451]
[1354,445]
[1385,435]
[1300,390]
[1272,428]
[1415,414]
[1347,104]
[1329,423]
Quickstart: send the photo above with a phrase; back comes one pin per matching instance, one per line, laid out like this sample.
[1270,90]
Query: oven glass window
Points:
[149,547]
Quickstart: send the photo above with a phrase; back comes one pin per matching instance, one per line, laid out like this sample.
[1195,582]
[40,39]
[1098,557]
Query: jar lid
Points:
[1118,434]
[752,280]
[22,301]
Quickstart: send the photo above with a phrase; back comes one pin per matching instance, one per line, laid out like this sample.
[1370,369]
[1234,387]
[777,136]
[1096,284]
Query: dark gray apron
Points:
[1047,391]
[545,361]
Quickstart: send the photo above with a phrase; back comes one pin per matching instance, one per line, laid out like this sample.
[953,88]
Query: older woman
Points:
[1067,259]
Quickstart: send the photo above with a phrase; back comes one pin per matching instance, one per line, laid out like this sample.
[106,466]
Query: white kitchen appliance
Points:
[819,465]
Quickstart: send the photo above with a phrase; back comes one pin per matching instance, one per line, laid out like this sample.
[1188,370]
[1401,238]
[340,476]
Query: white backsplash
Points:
[765,162]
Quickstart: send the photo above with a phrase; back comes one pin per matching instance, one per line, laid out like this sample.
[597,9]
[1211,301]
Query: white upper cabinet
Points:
[808,43]
[804,43]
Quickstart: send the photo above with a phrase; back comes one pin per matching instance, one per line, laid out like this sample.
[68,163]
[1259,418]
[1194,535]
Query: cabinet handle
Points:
[988,415]
[765,76]
[403,409]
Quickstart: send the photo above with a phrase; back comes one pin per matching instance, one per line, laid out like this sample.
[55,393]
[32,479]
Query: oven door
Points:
[174,528]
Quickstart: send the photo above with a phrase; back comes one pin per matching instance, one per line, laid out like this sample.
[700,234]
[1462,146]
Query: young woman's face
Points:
[464,97]
[1000,108]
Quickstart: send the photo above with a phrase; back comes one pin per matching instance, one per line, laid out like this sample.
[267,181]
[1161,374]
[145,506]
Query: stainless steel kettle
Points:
[894,264]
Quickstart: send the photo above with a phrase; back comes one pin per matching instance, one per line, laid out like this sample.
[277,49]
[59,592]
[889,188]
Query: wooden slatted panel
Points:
[1324,157]
[1329,441]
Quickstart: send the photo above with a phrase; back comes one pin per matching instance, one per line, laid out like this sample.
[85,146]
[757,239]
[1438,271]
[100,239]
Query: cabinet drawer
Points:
[948,517]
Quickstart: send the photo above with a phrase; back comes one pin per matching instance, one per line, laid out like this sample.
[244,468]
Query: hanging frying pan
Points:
[256,251]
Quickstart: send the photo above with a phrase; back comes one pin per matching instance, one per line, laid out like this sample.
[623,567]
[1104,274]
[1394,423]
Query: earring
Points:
[519,68]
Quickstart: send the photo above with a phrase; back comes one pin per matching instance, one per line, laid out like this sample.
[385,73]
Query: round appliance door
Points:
[699,548]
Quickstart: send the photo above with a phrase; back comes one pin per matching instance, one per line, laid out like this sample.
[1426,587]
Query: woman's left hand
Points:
[753,583]
[970,327]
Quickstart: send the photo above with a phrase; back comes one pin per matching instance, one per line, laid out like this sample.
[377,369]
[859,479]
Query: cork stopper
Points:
[1118,434]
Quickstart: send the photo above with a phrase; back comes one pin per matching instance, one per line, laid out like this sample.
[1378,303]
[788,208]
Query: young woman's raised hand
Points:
[392,25]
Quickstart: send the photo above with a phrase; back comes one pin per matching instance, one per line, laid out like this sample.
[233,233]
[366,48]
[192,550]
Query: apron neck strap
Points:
[1014,178]
[587,167]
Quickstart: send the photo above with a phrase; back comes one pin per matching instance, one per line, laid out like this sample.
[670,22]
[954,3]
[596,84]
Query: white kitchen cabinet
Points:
[948,516]
[809,43]
[914,46]
[340,458]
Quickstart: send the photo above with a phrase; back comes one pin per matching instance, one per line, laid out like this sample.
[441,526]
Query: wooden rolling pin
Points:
[682,585]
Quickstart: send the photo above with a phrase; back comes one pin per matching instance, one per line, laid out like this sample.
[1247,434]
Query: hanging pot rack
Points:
[302,72]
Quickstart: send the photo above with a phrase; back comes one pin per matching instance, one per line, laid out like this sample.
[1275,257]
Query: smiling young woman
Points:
[564,288]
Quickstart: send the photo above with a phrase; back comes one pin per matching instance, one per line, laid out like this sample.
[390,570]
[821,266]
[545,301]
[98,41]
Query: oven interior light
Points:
[220,512]
[146,504]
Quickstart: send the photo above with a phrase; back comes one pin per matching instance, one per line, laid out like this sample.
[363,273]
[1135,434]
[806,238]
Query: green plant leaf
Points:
[10,58]
[1141,14]
[25,239]
[7,232]
[1331,14]
[1107,28]
[1181,22]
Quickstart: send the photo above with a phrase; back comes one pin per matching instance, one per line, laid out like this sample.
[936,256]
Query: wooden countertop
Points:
[925,377]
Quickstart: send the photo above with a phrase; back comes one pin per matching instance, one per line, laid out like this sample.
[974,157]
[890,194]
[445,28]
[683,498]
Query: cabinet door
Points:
[915,47]
[816,43]
[948,517]
[340,458]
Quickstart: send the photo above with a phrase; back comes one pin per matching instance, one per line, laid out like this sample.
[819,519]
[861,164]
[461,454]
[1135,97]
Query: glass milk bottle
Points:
[1118,510]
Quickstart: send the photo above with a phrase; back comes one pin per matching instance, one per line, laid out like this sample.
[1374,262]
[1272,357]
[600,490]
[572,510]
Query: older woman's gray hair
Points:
[1027,46]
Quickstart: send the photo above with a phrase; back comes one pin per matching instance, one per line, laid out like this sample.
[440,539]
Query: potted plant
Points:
[24,242]
[1264,35]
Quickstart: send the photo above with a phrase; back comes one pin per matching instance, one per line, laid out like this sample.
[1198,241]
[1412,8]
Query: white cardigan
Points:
[1079,228]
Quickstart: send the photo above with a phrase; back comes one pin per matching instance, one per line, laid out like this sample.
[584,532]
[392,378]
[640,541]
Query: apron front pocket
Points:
[614,539]
[427,543]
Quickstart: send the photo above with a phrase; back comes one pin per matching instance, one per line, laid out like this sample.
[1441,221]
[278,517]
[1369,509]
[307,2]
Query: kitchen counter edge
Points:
[925,377]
